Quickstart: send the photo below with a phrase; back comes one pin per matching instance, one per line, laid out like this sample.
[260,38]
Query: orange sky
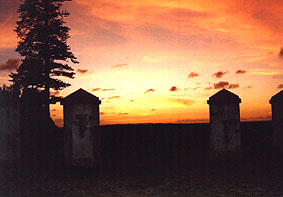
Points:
[132,53]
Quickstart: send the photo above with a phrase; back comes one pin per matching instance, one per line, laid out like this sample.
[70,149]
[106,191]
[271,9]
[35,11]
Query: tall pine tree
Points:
[43,47]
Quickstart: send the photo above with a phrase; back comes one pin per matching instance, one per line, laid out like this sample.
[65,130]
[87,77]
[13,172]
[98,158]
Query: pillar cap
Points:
[223,97]
[80,97]
[277,98]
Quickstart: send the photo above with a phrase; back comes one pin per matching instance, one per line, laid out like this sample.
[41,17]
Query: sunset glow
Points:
[159,61]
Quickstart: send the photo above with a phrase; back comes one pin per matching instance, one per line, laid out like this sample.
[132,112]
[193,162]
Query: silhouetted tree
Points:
[43,47]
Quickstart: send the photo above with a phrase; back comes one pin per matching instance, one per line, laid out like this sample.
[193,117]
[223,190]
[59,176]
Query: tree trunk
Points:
[46,101]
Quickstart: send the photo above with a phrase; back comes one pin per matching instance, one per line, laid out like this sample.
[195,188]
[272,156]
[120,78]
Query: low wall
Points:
[157,146]
[177,145]
[9,128]
[154,145]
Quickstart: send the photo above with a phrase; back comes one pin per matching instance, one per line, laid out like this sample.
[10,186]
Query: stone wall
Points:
[179,146]
[9,128]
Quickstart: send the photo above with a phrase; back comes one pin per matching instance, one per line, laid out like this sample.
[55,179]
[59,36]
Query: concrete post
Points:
[225,137]
[81,129]
[277,122]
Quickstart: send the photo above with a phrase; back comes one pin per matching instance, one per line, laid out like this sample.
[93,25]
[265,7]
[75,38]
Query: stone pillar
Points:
[81,129]
[225,136]
[9,128]
[277,122]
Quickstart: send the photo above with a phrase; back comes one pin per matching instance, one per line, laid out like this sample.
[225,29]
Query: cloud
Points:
[233,86]
[114,97]
[111,89]
[104,90]
[221,84]
[248,87]
[196,88]
[179,37]
[119,65]
[280,86]
[120,114]
[192,75]
[278,76]
[173,88]
[149,90]
[10,65]
[225,84]
[186,102]
[96,89]
[8,18]
[281,53]
[219,74]
[208,88]
[240,71]
[104,113]
[183,13]
[82,71]
[155,59]
[89,19]
[8,8]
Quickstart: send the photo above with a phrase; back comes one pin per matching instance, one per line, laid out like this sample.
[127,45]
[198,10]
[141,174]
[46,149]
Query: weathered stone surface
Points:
[9,129]
[225,135]
[81,129]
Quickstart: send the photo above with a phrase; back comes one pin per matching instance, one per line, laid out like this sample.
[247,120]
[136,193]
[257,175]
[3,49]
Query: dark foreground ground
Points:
[149,160]
[142,182]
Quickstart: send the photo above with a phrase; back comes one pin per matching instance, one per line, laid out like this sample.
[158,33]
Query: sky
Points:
[159,61]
